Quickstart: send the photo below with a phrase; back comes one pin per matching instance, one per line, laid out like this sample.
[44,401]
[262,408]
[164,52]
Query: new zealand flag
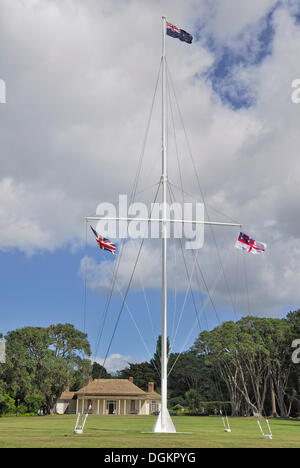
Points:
[184,36]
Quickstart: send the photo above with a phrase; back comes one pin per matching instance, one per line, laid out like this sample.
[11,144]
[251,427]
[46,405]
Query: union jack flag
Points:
[104,244]
[245,242]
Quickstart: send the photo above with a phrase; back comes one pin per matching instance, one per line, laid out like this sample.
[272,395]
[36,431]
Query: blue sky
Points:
[254,48]
[60,157]
[46,288]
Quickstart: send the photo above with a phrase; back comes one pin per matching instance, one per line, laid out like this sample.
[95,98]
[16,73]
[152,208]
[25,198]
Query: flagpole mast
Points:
[164,357]
[164,422]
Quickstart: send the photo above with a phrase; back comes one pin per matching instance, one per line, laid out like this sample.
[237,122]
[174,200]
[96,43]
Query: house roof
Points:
[115,387]
[67,395]
[153,396]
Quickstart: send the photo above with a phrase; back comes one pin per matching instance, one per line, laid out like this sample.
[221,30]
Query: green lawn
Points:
[126,432]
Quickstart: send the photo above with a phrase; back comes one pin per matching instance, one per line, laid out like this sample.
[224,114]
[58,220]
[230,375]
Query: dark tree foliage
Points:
[142,374]
[251,358]
[245,366]
[99,372]
[42,361]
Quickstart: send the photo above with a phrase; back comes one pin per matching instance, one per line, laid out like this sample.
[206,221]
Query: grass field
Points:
[126,432]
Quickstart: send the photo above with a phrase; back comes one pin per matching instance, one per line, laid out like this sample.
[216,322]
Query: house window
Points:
[111,406]
[153,406]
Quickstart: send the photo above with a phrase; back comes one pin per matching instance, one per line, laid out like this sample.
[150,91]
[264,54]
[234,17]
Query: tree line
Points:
[242,367]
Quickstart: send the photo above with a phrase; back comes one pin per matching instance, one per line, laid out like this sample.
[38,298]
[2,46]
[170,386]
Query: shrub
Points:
[21,409]
[175,401]
[7,404]
[192,398]
[34,403]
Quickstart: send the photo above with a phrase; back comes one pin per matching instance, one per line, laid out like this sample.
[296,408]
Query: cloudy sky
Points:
[80,76]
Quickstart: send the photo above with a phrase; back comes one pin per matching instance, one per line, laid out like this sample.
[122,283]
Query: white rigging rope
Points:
[175,293]
[202,310]
[134,322]
[200,189]
[85,285]
[189,286]
[244,253]
[132,197]
[128,287]
[147,306]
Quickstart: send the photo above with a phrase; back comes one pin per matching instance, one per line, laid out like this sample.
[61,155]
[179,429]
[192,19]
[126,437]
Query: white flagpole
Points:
[164,357]
[164,422]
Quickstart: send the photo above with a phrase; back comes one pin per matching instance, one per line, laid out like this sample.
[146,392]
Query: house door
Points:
[132,406]
[111,407]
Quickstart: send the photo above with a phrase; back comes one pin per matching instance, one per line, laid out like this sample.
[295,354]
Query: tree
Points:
[43,361]
[189,370]
[81,375]
[66,341]
[276,336]
[27,350]
[156,361]
[35,402]
[219,348]
[142,373]
[7,404]
[252,357]
[293,389]
[192,398]
[99,372]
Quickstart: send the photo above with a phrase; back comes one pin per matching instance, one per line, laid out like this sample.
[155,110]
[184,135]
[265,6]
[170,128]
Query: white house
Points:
[110,396]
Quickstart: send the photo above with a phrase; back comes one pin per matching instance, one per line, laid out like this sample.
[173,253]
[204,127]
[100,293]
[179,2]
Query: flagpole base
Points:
[164,427]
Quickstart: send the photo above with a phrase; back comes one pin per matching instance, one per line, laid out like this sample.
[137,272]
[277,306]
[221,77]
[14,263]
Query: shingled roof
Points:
[115,387]
[67,395]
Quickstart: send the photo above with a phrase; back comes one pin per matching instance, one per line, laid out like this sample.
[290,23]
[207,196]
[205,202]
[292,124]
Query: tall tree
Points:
[156,361]
[142,374]
[192,399]
[252,356]
[219,348]
[43,360]
[189,370]
[99,372]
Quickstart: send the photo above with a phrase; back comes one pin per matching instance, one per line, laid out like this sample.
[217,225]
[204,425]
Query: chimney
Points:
[150,387]
[130,379]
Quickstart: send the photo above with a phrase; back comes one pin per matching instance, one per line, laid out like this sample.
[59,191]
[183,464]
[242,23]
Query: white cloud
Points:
[116,362]
[227,19]
[30,214]
[80,78]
